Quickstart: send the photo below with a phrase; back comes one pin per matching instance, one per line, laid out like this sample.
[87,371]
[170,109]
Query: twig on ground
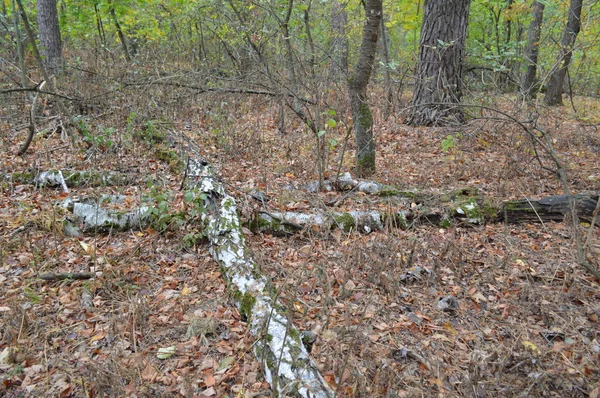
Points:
[76,276]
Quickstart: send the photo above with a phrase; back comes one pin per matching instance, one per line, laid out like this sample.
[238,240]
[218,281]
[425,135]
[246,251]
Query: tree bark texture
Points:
[439,71]
[554,91]
[50,42]
[528,80]
[357,87]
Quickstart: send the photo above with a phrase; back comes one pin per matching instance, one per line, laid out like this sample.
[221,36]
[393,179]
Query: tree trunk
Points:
[99,25]
[339,20]
[357,87]
[122,37]
[439,73]
[554,90]
[385,54]
[20,42]
[528,81]
[311,43]
[50,42]
[36,52]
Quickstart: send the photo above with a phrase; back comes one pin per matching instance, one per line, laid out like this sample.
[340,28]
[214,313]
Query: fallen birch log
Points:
[459,210]
[75,178]
[91,216]
[345,182]
[287,365]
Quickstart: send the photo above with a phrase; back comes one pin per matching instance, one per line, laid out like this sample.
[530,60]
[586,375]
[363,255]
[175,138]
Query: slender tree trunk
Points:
[339,20]
[99,25]
[554,90]
[385,53]
[19,38]
[289,54]
[245,62]
[508,25]
[36,53]
[311,43]
[122,37]
[439,71]
[50,43]
[528,80]
[357,87]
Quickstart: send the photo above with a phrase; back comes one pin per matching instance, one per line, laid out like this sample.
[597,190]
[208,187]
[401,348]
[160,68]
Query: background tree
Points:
[49,30]
[532,49]
[339,44]
[554,90]
[439,71]
[361,113]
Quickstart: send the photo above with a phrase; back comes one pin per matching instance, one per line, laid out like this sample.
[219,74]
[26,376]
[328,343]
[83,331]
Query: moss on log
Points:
[287,365]
[550,208]
[91,216]
[75,178]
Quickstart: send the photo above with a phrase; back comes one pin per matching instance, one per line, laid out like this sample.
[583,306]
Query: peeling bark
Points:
[288,367]
[92,217]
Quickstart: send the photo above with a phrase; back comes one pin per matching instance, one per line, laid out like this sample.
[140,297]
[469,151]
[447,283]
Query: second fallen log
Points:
[550,208]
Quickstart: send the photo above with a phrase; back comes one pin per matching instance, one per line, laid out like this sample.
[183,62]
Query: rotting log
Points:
[458,208]
[287,365]
[550,208]
[287,223]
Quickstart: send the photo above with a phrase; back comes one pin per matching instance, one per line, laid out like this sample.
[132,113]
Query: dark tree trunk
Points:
[311,43]
[357,87]
[339,20]
[554,91]
[50,43]
[99,25]
[528,81]
[439,71]
[122,37]
[289,55]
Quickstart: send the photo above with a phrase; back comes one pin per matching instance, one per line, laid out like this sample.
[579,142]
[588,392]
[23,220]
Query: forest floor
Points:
[524,319]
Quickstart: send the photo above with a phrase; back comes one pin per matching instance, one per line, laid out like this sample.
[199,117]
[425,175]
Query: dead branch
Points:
[75,276]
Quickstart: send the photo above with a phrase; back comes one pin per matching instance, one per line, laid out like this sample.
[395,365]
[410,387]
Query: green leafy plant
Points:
[32,295]
[195,208]
[161,217]
[151,134]
[449,142]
